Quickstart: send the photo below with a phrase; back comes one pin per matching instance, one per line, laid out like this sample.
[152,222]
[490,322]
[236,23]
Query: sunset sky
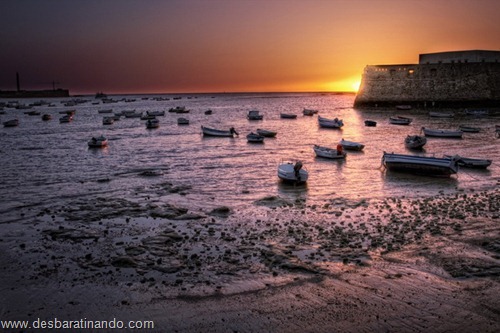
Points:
[160,46]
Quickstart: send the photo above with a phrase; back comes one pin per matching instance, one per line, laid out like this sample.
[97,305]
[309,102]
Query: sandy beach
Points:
[395,265]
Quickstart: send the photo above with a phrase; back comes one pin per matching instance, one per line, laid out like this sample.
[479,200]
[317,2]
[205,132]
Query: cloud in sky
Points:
[228,45]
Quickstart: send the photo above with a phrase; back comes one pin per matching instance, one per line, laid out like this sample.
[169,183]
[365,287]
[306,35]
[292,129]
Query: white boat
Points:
[330,123]
[473,163]
[469,129]
[98,142]
[415,141]
[11,123]
[330,153]
[398,120]
[292,172]
[108,120]
[152,123]
[420,164]
[66,119]
[182,121]
[351,145]
[254,115]
[255,138]
[309,112]
[442,133]
[215,132]
[266,133]
[288,116]
[435,114]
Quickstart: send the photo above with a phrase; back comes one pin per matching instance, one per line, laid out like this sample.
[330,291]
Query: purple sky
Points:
[123,46]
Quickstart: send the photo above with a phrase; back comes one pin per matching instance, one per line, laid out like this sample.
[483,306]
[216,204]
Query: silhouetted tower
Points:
[17,81]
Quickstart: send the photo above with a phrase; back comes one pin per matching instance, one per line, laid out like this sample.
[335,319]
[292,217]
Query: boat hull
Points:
[214,132]
[350,145]
[329,153]
[415,142]
[420,165]
[442,133]
[287,174]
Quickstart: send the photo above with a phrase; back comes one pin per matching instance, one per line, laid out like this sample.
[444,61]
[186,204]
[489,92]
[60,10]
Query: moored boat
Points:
[255,138]
[442,133]
[97,142]
[288,116]
[325,152]
[469,129]
[254,115]
[473,163]
[293,172]
[66,119]
[208,112]
[179,109]
[399,120]
[105,111]
[108,120]
[351,145]
[152,123]
[330,123]
[11,123]
[266,133]
[46,117]
[415,141]
[215,132]
[182,121]
[477,113]
[433,166]
[155,113]
[370,123]
[309,112]
[403,107]
[436,114]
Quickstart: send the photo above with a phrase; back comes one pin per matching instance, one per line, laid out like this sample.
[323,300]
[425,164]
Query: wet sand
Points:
[396,265]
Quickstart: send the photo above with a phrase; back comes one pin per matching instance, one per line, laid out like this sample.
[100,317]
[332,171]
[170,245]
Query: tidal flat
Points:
[396,264]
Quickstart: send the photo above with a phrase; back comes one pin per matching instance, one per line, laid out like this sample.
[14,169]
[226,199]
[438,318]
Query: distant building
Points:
[445,79]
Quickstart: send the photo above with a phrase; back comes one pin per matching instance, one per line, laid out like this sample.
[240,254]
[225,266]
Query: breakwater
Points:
[449,79]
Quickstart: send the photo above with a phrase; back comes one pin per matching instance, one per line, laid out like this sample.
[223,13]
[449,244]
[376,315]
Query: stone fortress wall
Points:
[447,79]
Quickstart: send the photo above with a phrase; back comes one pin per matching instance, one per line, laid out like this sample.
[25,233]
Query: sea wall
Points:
[431,85]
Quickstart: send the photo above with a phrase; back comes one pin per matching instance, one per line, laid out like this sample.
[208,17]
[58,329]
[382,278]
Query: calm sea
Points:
[47,163]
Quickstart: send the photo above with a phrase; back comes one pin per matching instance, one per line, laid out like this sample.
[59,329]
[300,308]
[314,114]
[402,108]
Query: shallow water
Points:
[48,162]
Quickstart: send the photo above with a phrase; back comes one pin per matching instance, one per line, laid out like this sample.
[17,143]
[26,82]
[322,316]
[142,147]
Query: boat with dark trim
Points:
[330,123]
[420,165]
[255,138]
[473,163]
[266,133]
[98,142]
[293,172]
[399,120]
[440,133]
[221,133]
[11,123]
[469,129]
[288,116]
[415,142]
